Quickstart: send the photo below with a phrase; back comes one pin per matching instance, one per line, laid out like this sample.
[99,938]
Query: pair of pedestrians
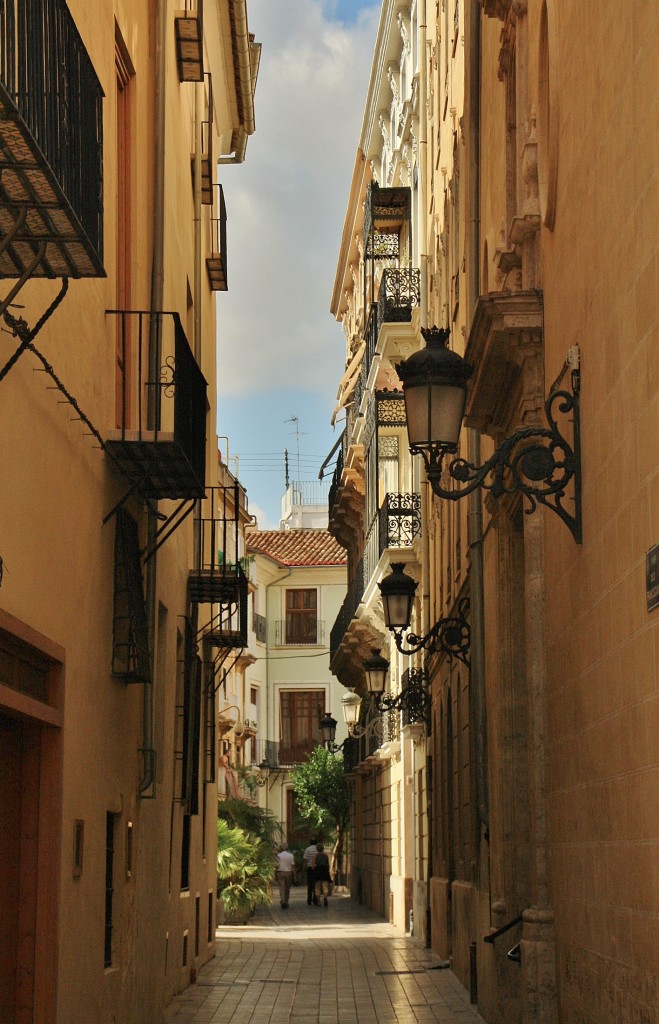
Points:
[318,873]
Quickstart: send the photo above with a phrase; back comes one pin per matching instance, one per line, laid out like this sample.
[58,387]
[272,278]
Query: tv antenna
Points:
[298,435]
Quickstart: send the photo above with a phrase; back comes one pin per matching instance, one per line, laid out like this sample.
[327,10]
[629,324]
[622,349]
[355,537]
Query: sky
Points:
[281,353]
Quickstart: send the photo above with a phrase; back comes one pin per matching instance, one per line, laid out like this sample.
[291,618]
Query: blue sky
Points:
[281,353]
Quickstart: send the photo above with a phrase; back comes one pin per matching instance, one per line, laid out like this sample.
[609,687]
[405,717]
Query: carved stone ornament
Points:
[529,220]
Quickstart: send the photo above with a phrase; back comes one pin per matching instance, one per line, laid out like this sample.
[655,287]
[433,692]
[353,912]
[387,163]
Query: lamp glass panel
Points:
[351,705]
[434,413]
[397,610]
[376,678]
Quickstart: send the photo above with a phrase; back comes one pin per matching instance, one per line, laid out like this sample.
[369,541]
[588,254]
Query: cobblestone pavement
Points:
[316,965]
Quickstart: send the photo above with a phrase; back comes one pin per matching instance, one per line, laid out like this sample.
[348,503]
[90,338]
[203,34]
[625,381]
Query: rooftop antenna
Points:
[296,420]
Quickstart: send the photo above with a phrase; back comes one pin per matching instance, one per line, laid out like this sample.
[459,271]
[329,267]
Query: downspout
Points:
[475,507]
[267,664]
[157,288]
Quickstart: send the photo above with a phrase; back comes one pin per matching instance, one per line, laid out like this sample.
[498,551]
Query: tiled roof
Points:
[297,547]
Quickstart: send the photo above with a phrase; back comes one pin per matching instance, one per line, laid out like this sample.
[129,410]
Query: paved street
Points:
[311,965]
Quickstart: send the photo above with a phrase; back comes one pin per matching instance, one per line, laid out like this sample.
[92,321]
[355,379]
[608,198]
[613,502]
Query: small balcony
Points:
[396,525]
[348,610]
[260,625]
[219,579]
[51,137]
[216,261]
[206,156]
[297,753]
[160,441]
[307,632]
[189,26]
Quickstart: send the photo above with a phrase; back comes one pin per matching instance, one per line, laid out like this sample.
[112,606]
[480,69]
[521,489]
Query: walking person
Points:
[285,867]
[309,861]
[322,873]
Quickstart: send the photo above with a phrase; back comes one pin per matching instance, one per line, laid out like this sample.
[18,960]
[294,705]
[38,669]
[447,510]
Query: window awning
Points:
[349,380]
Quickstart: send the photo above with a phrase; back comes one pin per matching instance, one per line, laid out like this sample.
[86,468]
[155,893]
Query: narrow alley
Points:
[311,965]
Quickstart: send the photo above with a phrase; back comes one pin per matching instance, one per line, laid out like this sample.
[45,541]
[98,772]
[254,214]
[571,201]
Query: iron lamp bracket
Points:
[537,461]
[450,635]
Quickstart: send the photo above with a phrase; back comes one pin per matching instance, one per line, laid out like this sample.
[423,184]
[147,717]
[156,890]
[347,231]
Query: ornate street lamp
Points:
[450,635]
[537,461]
[350,706]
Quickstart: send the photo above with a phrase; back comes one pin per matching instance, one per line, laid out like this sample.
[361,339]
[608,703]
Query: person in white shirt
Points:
[285,866]
[309,861]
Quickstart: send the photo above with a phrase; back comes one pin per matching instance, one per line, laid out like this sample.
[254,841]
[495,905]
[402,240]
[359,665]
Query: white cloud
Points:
[263,521]
[286,204]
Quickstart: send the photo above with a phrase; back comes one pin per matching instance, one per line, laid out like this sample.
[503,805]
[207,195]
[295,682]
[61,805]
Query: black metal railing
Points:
[160,442]
[190,41]
[399,520]
[207,143]
[260,627]
[265,753]
[305,633]
[348,609]
[336,483]
[399,294]
[296,753]
[47,74]
[395,525]
[216,261]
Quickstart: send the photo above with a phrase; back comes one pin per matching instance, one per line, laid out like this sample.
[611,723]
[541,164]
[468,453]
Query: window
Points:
[301,616]
[300,712]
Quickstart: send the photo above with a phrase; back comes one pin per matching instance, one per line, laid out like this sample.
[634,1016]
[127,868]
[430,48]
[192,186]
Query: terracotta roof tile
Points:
[297,547]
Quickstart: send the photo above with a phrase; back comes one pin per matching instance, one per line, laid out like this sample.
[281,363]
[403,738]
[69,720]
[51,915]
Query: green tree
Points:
[323,797]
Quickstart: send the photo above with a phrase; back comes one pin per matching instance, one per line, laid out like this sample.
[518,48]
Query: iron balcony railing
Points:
[336,484]
[399,294]
[260,627]
[219,578]
[216,261]
[305,633]
[51,137]
[296,753]
[396,524]
[190,40]
[265,753]
[160,442]
[347,612]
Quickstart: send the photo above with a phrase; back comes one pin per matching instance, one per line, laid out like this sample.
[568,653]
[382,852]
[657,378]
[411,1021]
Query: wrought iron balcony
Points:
[305,633]
[220,580]
[336,483]
[216,261]
[160,442]
[399,294]
[348,610]
[189,25]
[207,143]
[260,625]
[296,753]
[265,753]
[396,525]
[51,145]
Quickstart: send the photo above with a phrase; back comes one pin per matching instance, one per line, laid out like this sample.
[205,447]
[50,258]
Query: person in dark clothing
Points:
[322,872]
[309,860]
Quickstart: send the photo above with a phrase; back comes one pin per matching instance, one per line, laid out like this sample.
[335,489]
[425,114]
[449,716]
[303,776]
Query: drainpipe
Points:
[475,508]
[157,287]
[267,662]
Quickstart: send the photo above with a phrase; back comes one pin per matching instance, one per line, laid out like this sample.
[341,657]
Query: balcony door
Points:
[300,712]
[302,616]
